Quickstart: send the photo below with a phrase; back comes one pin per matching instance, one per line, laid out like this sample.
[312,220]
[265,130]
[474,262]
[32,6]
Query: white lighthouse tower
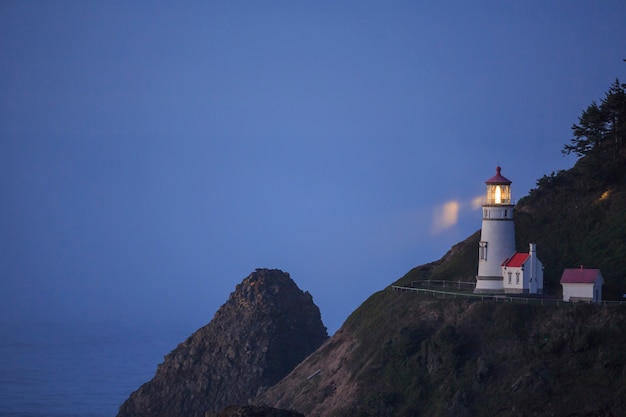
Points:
[497,237]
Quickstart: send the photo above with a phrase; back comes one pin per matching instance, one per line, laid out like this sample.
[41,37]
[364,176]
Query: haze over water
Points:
[77,369]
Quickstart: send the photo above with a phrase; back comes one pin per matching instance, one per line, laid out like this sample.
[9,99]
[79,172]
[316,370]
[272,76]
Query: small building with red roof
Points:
[582,284]
[522,273]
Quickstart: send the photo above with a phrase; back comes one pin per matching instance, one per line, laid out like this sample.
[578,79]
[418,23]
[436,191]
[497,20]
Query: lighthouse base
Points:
[489,285]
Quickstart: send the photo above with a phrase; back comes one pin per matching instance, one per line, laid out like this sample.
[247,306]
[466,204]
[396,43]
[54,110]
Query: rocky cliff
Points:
[267,326]
[403,354]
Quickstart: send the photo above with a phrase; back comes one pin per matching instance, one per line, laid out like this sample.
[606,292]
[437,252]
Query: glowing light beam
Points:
[445,216]
[477,202]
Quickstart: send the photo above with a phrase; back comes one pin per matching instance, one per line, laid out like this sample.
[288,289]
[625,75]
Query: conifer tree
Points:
[601,129]
[614,106]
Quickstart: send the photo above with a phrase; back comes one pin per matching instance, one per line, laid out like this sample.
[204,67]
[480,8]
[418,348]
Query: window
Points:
[510,273]
[517,277]
[482,251]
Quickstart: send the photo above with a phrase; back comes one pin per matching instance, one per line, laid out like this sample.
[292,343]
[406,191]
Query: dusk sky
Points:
[153,154]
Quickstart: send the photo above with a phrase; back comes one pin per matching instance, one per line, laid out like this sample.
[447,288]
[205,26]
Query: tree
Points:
[601,128]
[588,133]
[614,105]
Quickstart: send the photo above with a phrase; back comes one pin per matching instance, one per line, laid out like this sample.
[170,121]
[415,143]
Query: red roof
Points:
[498,179]
[516,260]
[580,276]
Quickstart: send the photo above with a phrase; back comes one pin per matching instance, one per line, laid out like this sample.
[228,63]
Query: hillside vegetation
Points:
[403,354]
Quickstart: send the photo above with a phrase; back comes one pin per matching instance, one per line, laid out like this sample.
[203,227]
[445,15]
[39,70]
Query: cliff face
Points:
[267,326]
[402,354]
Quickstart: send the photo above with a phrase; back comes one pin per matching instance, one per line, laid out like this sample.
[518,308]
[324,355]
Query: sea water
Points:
[78,368]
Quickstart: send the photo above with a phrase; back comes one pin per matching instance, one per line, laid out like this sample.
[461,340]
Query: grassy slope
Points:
[452,357]
[401,354]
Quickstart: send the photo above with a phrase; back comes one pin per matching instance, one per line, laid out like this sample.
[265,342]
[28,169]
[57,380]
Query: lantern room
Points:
[498,190]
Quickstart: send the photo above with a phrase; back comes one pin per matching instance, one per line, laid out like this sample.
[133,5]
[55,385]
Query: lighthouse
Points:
[497,236]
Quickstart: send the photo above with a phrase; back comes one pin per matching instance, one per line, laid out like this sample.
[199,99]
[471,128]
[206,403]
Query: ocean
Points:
[78,369]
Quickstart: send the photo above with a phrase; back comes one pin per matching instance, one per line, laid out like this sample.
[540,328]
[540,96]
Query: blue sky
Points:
[152,155]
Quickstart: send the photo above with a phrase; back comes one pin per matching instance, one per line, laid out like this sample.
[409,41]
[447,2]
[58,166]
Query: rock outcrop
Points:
[267,326]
